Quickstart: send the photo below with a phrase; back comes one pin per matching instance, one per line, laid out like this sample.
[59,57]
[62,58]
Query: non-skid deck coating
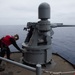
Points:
[60,66]
[65,52]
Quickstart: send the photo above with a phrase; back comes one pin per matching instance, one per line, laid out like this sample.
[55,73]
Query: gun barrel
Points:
[63,26]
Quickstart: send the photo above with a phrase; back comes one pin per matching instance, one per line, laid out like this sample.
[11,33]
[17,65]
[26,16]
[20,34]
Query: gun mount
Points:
[37,45]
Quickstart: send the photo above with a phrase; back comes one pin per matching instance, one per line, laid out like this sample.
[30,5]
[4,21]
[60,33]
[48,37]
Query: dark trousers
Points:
[5,50]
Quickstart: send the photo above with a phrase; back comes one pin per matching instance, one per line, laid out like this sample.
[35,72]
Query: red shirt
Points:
[6,40]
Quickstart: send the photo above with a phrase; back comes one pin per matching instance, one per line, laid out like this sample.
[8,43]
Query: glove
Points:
[21,50]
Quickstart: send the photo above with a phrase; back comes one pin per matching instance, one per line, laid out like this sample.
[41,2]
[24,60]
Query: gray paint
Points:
[44,11]
[38,49]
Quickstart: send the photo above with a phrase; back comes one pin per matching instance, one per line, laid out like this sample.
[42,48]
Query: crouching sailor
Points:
[5,42]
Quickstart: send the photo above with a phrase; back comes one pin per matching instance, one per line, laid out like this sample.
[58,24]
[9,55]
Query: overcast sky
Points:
[19,12]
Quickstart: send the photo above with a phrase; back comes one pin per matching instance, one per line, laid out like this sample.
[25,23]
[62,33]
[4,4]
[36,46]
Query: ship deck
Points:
[60,65]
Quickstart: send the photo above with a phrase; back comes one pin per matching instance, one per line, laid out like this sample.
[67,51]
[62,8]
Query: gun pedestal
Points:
[37,45]
[38,41]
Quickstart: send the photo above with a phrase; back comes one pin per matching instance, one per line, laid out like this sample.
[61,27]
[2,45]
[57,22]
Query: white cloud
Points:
[22,11]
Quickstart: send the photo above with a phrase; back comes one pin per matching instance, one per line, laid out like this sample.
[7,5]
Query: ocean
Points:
[63,42]
[12,30]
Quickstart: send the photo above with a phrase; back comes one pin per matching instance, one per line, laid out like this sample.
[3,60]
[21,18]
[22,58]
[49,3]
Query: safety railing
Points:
[59,73]
[38,68]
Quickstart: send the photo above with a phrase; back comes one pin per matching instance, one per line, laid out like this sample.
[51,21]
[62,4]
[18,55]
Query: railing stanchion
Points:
[38,69]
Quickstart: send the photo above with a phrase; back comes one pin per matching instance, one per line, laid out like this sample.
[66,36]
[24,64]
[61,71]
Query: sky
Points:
[19,12]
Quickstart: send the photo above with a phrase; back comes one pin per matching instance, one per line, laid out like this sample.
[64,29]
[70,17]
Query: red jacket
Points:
[6,40]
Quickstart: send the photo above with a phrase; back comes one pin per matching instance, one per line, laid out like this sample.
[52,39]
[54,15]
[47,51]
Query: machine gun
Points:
[54,25]
[37,45]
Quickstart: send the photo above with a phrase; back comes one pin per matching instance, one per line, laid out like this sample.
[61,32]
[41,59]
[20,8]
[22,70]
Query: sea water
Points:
[12,30]
[63,41]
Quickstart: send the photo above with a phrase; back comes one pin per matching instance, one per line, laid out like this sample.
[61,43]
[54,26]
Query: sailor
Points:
[5,42]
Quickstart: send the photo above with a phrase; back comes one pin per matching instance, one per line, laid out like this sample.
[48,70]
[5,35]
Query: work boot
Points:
[1,68]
